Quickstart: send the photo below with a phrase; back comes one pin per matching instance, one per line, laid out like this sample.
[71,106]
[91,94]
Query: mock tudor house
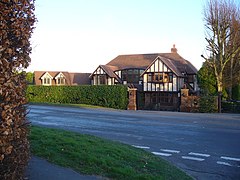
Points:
[159,77]
[56,78]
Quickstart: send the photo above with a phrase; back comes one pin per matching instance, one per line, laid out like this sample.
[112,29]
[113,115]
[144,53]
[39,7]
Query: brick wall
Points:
[189,103]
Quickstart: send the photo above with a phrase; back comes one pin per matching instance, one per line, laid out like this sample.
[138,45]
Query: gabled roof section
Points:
[60,75]
[180,63]
[45,75]
[71,78]
[169,63]
[53,74]
[194,70]
[109,70]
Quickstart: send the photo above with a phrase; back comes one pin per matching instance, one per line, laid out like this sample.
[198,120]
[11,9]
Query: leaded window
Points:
[132,75]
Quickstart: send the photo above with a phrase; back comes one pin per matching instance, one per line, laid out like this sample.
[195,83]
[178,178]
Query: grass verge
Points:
[72,105]
[95,156]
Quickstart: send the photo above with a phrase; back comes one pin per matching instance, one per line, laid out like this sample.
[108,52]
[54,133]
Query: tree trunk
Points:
[219,102]
[220,89]
[231,80]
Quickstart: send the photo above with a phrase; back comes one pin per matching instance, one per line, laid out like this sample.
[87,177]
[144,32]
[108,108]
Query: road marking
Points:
[161,154]
[223,163]
[170,150]
[199,154]
[230,158]
[141,147]
[193,158]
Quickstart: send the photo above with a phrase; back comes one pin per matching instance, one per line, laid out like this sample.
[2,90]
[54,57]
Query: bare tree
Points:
[222,38]
[232,70]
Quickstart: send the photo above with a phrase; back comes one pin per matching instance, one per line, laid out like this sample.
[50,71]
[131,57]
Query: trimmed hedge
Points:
[208,104]
[102,95]
[231,107]
[16,27]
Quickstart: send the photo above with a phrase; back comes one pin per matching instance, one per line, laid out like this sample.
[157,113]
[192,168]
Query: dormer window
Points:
[60,79]
[46,79]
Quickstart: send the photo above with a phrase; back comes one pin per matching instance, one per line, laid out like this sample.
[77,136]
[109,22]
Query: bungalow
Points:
[51,78]
[158,77]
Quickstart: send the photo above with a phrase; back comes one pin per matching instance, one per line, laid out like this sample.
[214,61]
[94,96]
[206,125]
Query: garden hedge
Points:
[231,107]
[102,95]
[16,26]
[208,104]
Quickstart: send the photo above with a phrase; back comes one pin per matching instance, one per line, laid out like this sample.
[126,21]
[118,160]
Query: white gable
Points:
[99,70]
[60,75]
[158,66]
[46,75]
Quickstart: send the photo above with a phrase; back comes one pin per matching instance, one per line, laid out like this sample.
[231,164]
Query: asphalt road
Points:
[206,146]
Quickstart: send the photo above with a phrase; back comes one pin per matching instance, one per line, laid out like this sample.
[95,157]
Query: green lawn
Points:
[71,105]
[95,156]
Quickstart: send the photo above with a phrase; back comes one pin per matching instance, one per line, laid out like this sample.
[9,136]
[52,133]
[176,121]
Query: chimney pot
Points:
[174,49]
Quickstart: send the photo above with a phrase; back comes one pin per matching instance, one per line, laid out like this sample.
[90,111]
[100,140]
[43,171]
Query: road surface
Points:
[206,146]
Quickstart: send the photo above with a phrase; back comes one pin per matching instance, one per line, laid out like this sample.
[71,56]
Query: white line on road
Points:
[141,147]
[223,163]
[193,158]
[170,150]
[199,154]
[161,154]
[230,158]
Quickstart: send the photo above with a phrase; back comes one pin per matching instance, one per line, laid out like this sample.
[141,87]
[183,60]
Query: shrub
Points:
[16,25]
[208,104]
[230,107]
[236,92]
[103,95]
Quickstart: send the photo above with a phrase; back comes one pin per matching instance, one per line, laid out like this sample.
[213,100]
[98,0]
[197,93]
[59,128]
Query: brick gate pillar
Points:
[132,99]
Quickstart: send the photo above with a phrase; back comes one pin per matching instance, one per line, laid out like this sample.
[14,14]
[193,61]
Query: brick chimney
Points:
[173,49]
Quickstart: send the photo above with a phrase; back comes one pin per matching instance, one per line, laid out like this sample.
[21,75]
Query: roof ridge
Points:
[138,54]
[107,65]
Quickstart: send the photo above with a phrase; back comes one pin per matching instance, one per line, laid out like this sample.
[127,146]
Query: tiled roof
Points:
[71,78]
[110,71]
[142,61]
[132,61]
[180,63]
[80,78]
[171,65]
